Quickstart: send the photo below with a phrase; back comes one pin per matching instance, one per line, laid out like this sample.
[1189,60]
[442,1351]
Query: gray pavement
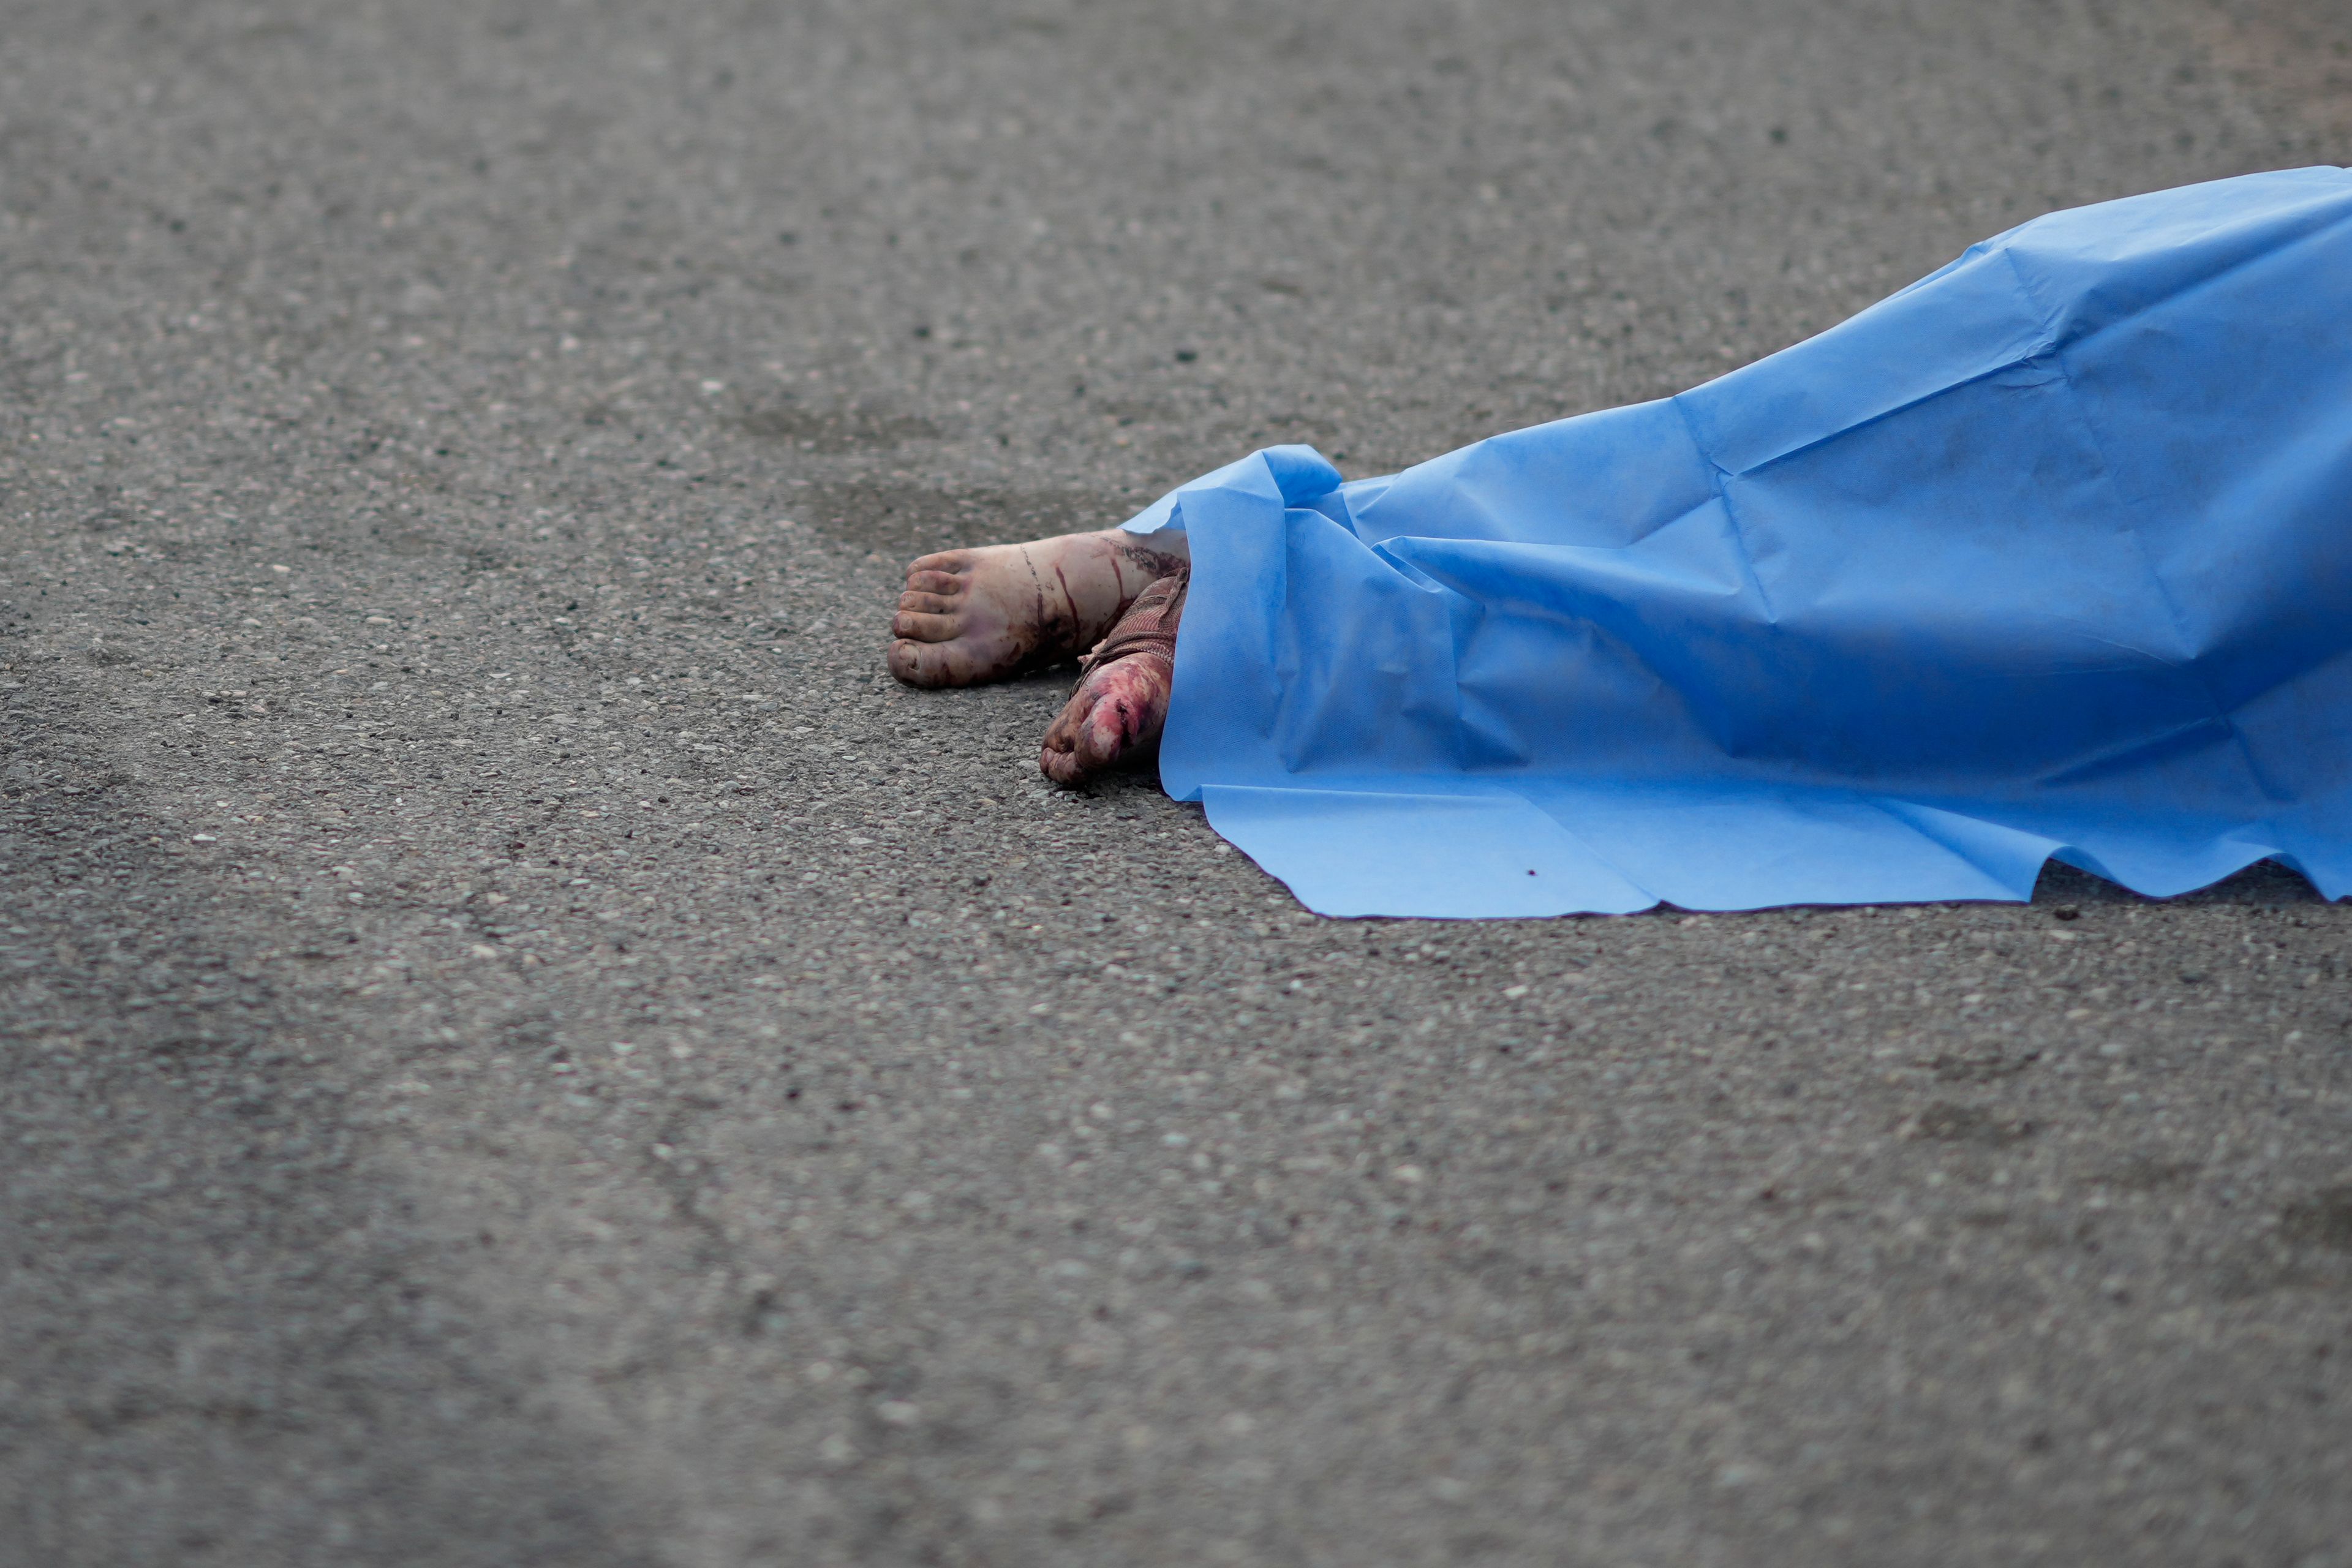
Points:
[520,1045]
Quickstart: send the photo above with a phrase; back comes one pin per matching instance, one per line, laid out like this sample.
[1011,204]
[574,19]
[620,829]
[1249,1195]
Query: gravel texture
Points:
[520,1045]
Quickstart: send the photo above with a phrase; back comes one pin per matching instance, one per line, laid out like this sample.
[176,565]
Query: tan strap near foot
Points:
[1150,623]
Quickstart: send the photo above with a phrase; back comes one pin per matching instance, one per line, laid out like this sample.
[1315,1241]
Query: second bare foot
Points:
[1116,716]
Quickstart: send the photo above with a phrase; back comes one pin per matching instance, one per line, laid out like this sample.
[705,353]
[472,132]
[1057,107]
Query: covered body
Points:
[2050,553]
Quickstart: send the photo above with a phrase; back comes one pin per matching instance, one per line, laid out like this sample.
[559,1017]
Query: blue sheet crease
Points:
[2048,554]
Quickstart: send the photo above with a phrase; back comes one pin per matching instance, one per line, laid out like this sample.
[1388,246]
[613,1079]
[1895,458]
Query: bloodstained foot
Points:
[1117,713]
[974,615]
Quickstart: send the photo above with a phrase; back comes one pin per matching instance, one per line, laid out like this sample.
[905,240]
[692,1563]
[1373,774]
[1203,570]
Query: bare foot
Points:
[974,615]
[1117,713]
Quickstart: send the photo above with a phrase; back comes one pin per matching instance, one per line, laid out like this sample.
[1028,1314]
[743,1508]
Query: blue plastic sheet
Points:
[2048,554]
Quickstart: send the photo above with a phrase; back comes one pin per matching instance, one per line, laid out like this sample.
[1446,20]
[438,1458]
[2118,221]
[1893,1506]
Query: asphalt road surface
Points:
[520,1045]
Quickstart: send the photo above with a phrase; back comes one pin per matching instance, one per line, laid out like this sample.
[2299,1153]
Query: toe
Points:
[926,582]
[919,627]
[906,662]
[1065,765]
[941,561]
[1061,767]
[1060,758]
[924,664]
[927,604]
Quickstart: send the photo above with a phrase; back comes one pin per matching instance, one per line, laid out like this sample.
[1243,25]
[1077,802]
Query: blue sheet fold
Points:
[2048,554]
